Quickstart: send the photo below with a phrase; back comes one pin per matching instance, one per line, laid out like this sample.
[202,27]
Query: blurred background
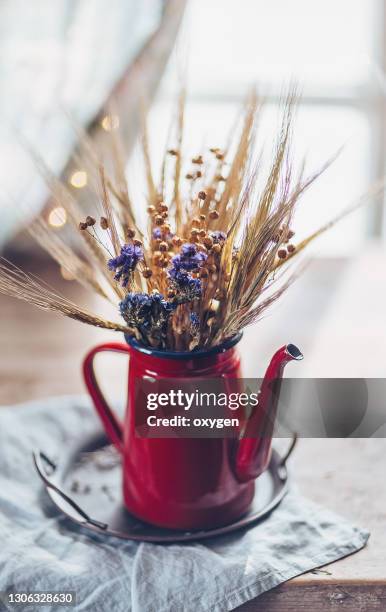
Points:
[73,59]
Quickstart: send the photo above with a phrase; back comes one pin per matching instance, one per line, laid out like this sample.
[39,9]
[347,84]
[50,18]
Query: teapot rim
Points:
[183,355]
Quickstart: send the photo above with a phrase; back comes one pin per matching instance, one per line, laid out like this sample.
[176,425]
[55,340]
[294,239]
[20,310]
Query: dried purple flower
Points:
[194,323]
[126,262]
[189,259]
[134,308]
[149,313]
[187,288]
[218,237]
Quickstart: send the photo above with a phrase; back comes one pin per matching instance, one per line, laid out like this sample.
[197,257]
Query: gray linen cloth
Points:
[39,550]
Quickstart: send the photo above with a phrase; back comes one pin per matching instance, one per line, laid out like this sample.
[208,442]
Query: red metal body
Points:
[188,483]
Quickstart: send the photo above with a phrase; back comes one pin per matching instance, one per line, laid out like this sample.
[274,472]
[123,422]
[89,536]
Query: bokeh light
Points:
[110,122]
[57,217]
[79,179]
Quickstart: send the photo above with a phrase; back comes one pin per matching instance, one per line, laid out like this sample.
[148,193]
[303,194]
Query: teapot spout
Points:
[254,449]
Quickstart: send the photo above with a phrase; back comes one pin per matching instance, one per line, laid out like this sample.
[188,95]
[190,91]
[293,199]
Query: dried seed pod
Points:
[164,262]
[104,223]
[194,232]
[282,253]
[196,221]
[173,152]
[216,248]
[164,214]
[163,247]
[176,240]
[220,178]
[83,226]
[151,210]
[290,234]
[165,228]
[291,248]
[198,174]
[137,243]
[202,218]
[219,155]
[90,220]
[201,195]
[213,214]
[189,176]
[202,233]
[197,160]
[208,241]
[147,273]
[130,233]
[163,207]
[158,220]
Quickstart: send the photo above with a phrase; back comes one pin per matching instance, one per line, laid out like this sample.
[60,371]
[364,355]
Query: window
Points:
[334,50]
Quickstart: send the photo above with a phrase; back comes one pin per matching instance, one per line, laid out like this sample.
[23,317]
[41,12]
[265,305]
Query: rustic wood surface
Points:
[41,353]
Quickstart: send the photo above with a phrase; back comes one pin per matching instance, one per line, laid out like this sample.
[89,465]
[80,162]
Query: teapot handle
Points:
[110,421]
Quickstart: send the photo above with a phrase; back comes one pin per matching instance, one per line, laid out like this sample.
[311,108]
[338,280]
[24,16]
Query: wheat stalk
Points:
[16,283]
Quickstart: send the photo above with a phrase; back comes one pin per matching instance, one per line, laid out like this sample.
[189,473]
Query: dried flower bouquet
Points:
[211,259]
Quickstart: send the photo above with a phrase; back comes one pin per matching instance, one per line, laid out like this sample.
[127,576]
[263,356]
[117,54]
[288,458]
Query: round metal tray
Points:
[86,486]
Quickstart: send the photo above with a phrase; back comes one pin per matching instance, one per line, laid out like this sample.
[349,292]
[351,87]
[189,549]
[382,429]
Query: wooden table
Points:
[325,314]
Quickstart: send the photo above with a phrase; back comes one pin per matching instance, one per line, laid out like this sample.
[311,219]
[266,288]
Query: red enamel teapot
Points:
[189,483]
